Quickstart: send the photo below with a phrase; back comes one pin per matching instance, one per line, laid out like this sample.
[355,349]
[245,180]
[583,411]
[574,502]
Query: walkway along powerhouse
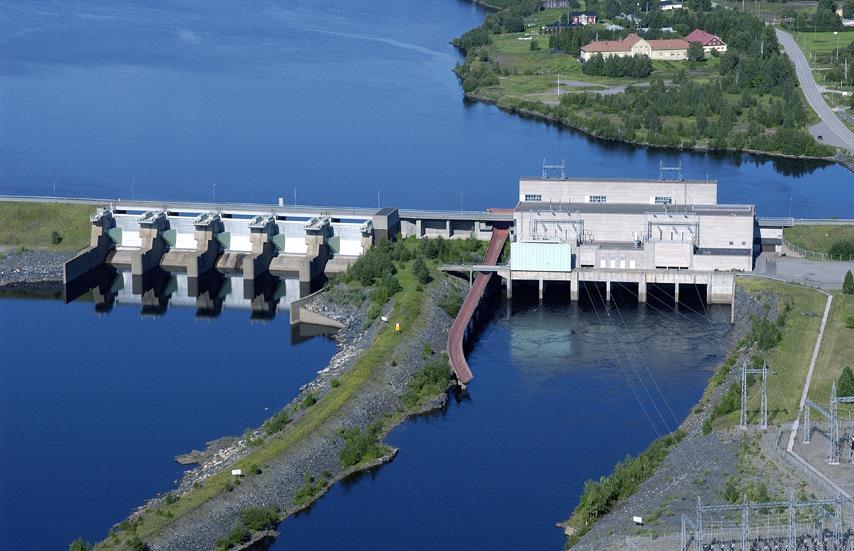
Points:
[631,232]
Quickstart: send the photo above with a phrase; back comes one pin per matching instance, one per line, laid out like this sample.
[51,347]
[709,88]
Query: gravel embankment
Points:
[697,466]
[280,479]
[32,270]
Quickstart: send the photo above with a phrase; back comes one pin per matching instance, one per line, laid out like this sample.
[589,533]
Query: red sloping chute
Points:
[458,328]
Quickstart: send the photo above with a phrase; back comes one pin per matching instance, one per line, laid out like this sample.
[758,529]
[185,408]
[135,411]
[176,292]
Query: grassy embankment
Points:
[837,348]
[32,225]
[819,239]
[789,357]
[408,304]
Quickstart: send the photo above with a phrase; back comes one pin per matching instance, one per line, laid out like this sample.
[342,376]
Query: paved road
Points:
[825,275]
[840,133]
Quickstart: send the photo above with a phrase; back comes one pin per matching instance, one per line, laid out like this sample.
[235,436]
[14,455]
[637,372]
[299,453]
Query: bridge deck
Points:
[458,328]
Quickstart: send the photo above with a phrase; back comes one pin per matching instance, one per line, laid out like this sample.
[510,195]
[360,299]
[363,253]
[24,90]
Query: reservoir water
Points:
[348,103]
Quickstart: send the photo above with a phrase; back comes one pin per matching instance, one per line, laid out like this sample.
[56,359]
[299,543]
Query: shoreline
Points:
[545,117]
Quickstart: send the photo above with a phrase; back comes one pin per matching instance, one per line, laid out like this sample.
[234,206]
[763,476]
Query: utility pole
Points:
[213,191]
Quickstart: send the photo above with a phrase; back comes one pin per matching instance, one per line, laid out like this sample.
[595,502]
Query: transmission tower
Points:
[834,427]
[831,413]
[547,169]
[763,408]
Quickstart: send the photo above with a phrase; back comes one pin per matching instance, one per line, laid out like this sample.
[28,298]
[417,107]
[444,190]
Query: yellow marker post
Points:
[397,327]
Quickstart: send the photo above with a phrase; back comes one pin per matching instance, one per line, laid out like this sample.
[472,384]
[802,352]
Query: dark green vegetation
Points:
[54,226]
[310,488]
[824,17]
[845,384]
[277,422]
[745,99]
[431,381]
[600,497]
[451,303]
[635,66]
[835,239]
[361,445]
[253,519]
[848,283]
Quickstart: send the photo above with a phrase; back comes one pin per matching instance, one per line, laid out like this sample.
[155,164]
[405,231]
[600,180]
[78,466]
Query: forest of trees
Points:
[638,66]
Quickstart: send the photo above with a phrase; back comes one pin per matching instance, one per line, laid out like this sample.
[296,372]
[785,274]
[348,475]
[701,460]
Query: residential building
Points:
[673,49]
[582,18]
[552,4]
[708,41]
[668,5]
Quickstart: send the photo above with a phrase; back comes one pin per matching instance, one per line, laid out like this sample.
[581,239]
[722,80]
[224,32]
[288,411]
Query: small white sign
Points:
[638,520]
[237,472]
[384,318]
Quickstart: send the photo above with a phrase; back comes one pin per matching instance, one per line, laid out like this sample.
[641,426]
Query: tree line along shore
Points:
[744,99]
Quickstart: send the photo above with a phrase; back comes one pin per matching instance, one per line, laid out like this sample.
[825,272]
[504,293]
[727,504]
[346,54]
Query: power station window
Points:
[598,199]
[533,197]
[663,200]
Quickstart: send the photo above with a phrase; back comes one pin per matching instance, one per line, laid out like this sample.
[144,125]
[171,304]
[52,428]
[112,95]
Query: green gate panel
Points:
[279,241]
[334,244]
[170,236]
[224,239]
[225,290]
[118,284]
[280,290]
[171,286]
[115,234]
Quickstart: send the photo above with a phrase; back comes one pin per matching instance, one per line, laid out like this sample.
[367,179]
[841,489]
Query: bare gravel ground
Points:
[31,270]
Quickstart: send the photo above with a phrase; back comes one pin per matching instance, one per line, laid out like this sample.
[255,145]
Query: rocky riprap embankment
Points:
[697,466]
[32,270]
[282,477]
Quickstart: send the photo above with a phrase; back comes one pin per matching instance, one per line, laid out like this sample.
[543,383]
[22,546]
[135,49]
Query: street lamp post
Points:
[213,190]
[836,34]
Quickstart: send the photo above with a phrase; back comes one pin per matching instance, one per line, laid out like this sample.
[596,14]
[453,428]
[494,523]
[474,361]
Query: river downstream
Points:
[350,103]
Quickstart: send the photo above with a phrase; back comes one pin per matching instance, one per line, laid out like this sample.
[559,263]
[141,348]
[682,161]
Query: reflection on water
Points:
[157,289]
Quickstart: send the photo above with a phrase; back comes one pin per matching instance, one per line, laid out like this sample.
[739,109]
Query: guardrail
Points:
[815,255]
[788,221]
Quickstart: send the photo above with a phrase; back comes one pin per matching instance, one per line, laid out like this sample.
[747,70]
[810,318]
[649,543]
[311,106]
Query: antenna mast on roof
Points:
[547,168]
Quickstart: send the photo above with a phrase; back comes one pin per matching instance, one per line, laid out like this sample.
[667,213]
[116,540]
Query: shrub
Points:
[276,423]
[79,545]
[848,283]
[55,237]
[451,303]
[849,322]
[251,520]
[431,381]
[360,445]
[421,271]
[334,383]
[309,400]
[845,384]
[764,332]
[310,488]
[842,248]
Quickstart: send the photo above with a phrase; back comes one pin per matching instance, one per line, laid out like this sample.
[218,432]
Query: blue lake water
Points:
[344,103]
[334,103]
[93,408]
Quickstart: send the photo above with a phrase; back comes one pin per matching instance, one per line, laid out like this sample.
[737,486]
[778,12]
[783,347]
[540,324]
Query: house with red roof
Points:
[708,41]
[672,49]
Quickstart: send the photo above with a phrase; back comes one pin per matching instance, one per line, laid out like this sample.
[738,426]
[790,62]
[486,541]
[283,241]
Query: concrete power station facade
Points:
[630,231]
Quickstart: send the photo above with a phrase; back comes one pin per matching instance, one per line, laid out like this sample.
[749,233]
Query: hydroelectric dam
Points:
[581,233]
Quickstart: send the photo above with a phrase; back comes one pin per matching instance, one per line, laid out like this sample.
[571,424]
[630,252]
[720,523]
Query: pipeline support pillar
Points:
[642,290]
